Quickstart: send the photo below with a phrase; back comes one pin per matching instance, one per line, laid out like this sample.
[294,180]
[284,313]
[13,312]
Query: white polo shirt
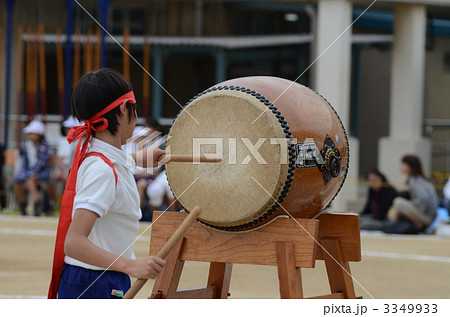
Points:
[118,206]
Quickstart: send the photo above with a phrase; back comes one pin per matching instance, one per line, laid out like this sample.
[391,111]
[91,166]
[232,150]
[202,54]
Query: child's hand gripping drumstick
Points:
[164,252]
[153,157]
[202,158]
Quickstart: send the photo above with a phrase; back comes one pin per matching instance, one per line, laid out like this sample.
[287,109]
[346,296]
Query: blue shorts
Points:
[77,282]
[23,175]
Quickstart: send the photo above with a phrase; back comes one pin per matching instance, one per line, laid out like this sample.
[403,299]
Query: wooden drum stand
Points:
[289,244]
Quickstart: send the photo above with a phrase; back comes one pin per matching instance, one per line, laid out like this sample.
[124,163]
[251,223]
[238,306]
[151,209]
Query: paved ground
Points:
[392,266]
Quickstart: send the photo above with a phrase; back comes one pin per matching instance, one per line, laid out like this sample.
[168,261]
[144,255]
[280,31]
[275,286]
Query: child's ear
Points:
[123,108]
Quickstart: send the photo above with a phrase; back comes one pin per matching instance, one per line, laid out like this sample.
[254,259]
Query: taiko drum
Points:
[284,149]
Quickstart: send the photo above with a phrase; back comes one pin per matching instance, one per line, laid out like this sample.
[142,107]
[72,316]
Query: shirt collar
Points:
[112,153]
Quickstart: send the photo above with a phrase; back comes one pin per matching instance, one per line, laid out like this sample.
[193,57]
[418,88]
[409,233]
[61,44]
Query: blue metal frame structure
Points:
[104,7]
[68,67]
[9,30]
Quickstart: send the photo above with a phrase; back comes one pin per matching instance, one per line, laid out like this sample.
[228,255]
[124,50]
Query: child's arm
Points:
[78,246]
[148,157]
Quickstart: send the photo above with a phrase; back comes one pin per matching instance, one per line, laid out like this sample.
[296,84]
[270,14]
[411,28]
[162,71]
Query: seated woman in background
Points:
[415,212]
[380,199]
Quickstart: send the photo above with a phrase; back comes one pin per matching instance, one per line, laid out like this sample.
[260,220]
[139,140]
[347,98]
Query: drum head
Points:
[248,182]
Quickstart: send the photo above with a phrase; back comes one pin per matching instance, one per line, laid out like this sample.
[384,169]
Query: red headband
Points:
[78,132]
[89,125]
[129,97]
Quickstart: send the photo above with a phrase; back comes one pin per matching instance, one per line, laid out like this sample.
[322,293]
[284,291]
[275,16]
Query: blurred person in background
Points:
[64,155]
[160,195]
[446,193]
[141,176]
[416,209]
[2,181]
[152,185]
[34,167]
[155,191]
[380,198]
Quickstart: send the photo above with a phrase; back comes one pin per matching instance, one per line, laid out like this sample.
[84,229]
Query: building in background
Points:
[388,75]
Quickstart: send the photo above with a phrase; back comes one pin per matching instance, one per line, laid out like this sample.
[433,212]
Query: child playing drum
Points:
[100,212]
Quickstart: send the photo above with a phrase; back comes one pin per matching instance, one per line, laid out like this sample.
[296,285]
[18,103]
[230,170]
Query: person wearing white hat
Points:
[156,189]
[134,144]
[64,155]
[34,166]
[66,151]
[152,185]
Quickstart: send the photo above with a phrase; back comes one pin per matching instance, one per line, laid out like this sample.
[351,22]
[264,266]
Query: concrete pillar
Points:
[333,79]
[407,93]
[333,68]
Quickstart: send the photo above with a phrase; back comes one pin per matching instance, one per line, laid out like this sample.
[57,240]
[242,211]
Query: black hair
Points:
[96,90]
[376,171]
[153,123]
[62,129]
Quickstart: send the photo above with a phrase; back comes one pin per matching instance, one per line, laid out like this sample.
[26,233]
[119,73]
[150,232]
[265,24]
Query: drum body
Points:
[284,149]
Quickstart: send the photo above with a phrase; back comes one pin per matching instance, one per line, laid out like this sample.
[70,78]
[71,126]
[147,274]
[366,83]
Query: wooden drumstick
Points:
[164,252]
[211,158]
